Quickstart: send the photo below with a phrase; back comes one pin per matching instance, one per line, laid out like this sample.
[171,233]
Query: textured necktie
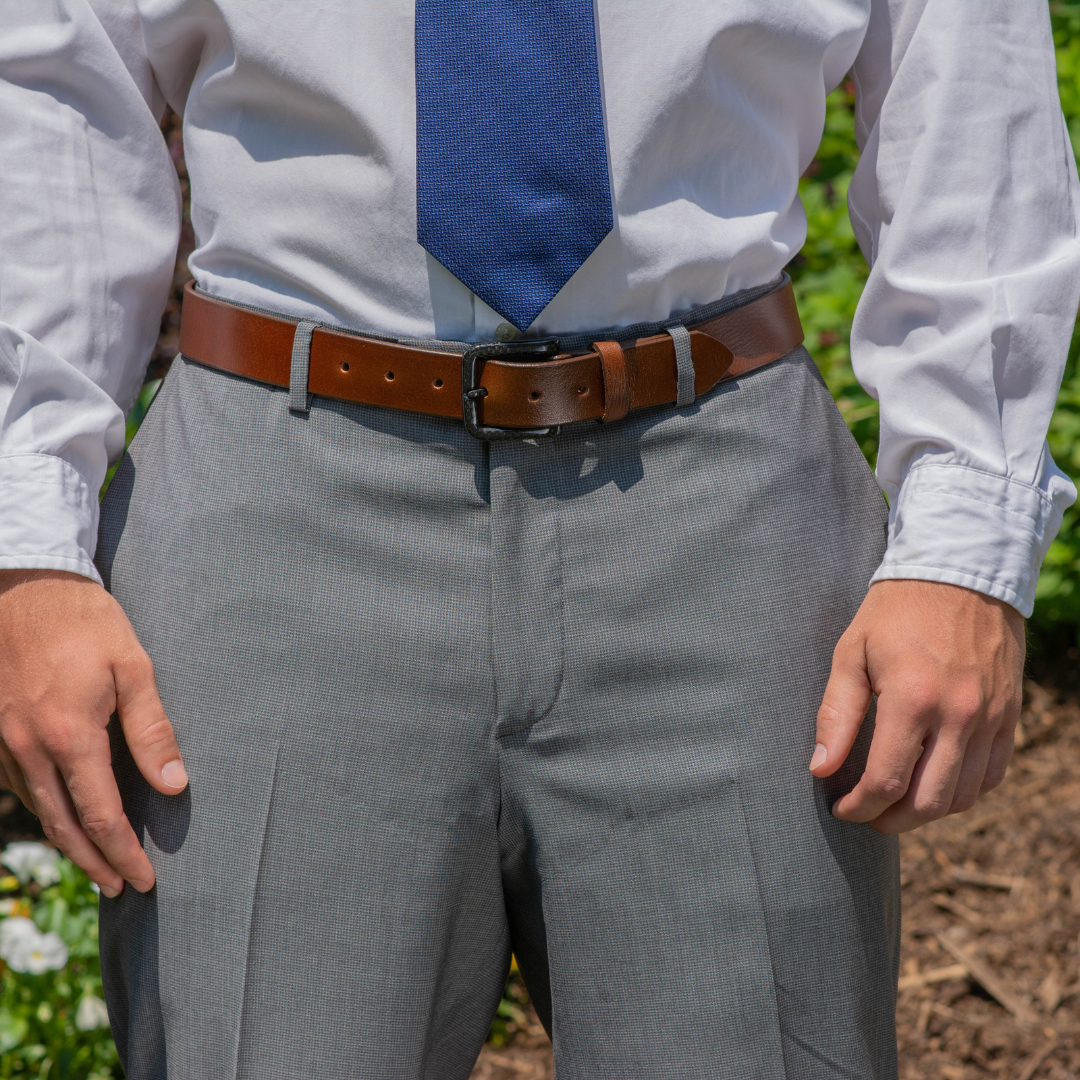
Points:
[512,187]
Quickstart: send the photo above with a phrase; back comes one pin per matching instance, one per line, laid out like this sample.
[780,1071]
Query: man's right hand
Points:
[69,659]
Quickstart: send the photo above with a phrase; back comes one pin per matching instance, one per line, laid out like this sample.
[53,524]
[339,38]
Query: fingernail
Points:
[109,891]
[174,775]
[820,754]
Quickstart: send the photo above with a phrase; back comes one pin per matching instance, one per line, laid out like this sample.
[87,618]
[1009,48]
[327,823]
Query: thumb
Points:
[149,734]
[843,706]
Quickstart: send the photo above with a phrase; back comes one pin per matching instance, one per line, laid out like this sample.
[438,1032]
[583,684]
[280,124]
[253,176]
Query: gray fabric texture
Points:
[300,362]
[440,700]
[684,364]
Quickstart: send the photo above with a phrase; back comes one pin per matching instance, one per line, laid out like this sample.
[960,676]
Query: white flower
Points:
[91,1013]
[25,948]
[30,861]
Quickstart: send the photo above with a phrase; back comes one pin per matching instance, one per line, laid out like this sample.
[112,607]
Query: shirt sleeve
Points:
[965,203]
[89,224]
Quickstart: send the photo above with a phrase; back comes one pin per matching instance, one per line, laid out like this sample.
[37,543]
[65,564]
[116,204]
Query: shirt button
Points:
[507,332]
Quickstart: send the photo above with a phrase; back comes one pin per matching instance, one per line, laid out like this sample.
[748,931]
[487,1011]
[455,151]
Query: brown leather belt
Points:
[501,390]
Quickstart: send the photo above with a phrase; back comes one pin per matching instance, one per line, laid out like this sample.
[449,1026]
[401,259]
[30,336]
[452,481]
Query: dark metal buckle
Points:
[472,393]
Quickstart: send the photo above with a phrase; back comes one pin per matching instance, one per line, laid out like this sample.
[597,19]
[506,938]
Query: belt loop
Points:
[684,364]
[298,370]
[616,383]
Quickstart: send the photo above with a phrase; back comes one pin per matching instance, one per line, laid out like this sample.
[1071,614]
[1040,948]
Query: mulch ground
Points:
[990,962]
[990,969]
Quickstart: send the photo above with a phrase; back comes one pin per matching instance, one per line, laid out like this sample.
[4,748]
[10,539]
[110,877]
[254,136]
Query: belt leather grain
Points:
[549,393]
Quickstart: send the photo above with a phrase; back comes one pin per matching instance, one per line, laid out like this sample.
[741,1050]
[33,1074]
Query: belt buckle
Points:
[472,393]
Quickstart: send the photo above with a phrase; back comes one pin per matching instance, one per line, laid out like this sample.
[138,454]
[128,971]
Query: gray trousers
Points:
[441,700]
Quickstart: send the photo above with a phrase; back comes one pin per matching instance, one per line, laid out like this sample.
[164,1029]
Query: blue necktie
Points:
[512,190]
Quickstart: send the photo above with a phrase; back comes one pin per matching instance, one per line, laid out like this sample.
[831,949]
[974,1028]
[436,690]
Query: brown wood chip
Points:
[947,903]
[980,971]
[987,881]
[1050,992]
[983,821]
[504,1062]
[925,978]
[1036,1059]
[955,1017]
[925,1009]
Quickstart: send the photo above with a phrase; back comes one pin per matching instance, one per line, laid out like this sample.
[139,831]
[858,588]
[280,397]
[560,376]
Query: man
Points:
[444,693]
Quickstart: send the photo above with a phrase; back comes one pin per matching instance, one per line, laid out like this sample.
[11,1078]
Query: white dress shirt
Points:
[300,144]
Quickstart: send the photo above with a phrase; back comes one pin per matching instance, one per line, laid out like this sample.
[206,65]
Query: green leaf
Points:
[13,1030]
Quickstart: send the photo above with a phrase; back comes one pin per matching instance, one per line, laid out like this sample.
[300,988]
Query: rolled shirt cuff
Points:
[963,526]
[48,516]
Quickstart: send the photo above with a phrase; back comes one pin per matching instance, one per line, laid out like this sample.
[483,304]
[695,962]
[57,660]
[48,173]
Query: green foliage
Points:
[1065,18]
[39,1036]
[510,1017]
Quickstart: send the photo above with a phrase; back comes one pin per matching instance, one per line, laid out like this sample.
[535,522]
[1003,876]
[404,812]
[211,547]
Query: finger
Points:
[969,785]
[843,708]
[147,729]
[62,827]
[896,747]
[930,791]
[96,798]
[1000,752]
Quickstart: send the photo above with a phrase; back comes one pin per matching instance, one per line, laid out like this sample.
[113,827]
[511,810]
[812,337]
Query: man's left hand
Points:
[946,664]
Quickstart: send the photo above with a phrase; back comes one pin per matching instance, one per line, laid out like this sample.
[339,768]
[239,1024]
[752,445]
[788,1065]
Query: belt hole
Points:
[582,390]
[345,366]
[535,395]
[389,376]
[437,384]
